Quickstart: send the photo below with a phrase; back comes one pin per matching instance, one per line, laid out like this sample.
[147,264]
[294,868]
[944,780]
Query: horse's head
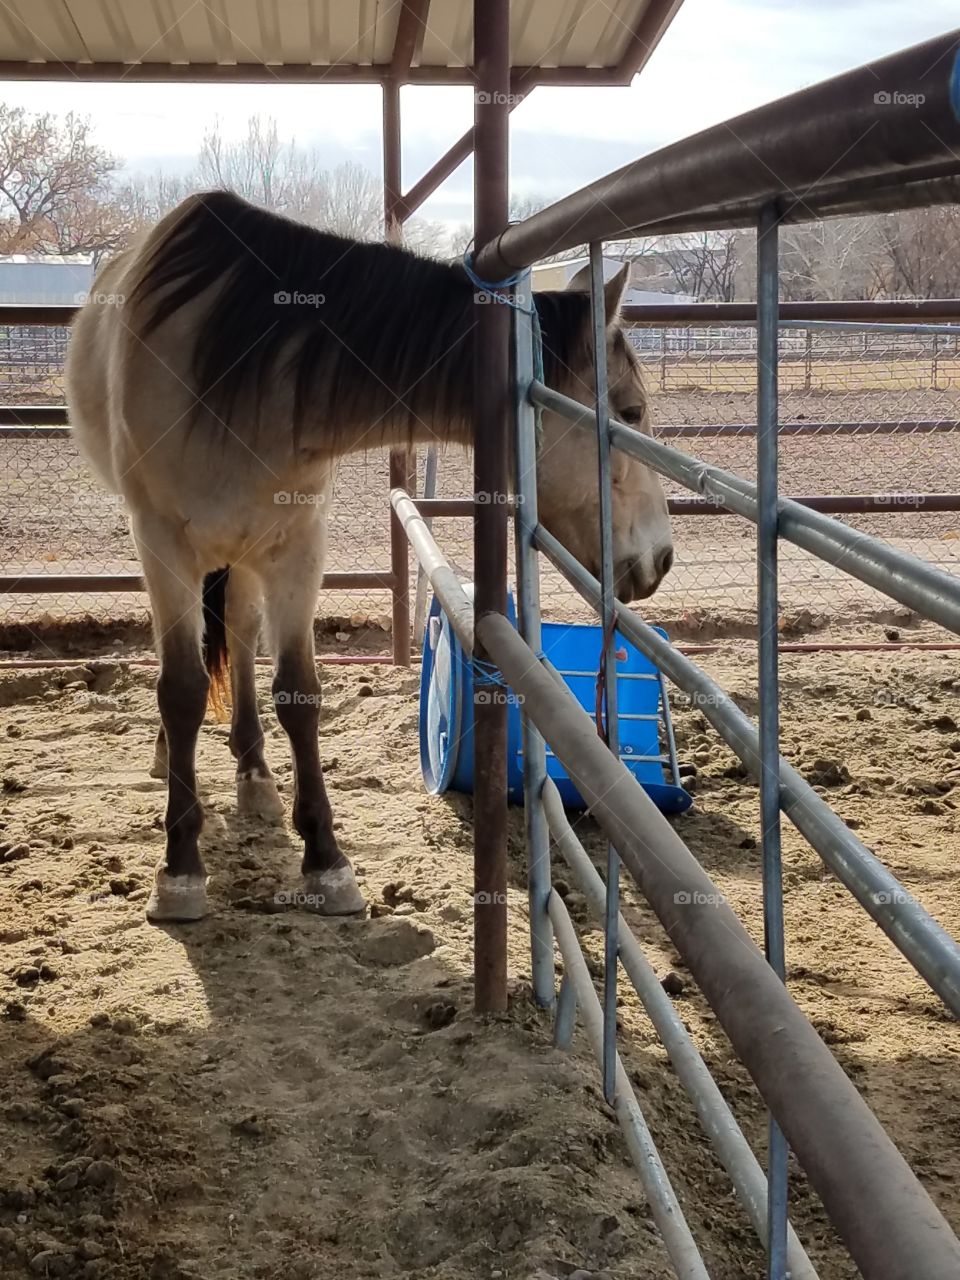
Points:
[568,490]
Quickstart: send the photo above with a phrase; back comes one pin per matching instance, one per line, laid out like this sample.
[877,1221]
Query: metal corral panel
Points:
[359,34]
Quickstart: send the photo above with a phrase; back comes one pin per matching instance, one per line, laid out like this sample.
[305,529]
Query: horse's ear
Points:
[613,289]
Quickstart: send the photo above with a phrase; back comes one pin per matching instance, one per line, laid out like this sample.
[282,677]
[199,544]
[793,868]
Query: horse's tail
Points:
[215,654]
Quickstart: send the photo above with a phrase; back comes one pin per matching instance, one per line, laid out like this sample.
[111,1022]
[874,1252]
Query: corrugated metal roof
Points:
[354,38]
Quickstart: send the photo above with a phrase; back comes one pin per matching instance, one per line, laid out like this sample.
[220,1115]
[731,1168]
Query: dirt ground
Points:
[269,1094]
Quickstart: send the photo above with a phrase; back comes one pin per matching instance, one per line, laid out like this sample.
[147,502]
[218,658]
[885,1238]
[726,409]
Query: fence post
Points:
[400,459]
[808,361]
[528,615]
[768,290]
[608,660]
[491,411]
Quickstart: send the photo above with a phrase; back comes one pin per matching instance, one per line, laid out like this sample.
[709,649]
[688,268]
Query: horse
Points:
[215,375]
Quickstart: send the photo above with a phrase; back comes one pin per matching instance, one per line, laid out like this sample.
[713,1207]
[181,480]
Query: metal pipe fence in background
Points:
[863,439]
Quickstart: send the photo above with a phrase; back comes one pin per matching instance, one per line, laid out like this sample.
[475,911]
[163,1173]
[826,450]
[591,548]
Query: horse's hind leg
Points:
[161,765]
[292,586]
[256,790]
[174,584]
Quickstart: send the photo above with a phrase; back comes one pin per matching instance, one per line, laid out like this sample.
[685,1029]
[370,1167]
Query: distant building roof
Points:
[44,281]
[557,275]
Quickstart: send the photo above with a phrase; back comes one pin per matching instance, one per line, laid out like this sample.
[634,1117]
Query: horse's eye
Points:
[632,414]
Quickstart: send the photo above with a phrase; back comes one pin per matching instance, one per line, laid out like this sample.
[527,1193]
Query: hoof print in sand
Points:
[392,942]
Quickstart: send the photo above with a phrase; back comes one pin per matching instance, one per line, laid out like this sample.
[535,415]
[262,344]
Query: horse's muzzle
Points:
[639,579]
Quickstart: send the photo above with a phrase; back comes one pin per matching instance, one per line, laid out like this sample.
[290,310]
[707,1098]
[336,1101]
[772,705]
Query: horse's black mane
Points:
[390,342]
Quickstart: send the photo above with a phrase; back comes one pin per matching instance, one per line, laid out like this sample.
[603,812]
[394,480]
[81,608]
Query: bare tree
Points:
[829,260]
[55,186]
[919,253]
[704,265]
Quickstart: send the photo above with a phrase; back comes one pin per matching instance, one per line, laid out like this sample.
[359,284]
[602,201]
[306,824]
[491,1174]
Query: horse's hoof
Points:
[180,898]
[257,796]
[334,892]
[159,768]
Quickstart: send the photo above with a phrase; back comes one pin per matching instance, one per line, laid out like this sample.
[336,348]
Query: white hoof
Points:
[334,893]
[159,768]
[258,797]
[177,897]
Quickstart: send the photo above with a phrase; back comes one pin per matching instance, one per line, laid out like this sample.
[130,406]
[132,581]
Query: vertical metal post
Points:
[528,613]
[400,459]
[768,307]
[609,660]
[808,361]
[566,1016]
[491,400]
[420,595]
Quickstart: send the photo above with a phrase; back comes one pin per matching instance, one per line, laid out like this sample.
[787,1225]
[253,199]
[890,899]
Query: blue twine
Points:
[492,289]
[492,286]
[489,673]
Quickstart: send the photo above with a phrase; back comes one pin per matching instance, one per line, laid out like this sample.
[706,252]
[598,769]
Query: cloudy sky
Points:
[719,58]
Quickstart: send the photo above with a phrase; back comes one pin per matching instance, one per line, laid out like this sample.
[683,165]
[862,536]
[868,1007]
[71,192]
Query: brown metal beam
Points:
[720,313]
[409,38]
[491,399]
[874,310]
[645,37]
[400,459]
[284,73]
[29,584]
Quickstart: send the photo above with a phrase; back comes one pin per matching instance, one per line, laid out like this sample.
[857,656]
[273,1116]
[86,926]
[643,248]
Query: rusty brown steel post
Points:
[400,459]
[491,399]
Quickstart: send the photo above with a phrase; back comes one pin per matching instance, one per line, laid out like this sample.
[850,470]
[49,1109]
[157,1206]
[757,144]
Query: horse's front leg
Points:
[174,584]
[292,584]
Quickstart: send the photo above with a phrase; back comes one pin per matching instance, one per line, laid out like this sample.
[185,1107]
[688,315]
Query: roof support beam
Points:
[409,37]
[646,36]
[451,159]
[285,73]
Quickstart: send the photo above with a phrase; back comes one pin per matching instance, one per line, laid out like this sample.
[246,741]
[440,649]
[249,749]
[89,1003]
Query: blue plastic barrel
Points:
[448,694]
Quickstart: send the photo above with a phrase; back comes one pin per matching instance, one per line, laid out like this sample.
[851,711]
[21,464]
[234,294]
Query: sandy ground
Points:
[271,1094]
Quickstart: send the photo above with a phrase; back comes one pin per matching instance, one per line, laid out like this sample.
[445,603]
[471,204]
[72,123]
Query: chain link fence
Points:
[864,411]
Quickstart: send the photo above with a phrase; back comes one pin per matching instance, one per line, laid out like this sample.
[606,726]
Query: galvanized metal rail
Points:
[839,1142]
